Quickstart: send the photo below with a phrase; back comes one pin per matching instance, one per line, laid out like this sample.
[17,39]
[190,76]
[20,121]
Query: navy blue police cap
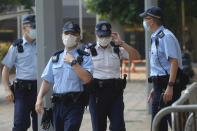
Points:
[30,19]
[72,27]
[154,12]
[103,28]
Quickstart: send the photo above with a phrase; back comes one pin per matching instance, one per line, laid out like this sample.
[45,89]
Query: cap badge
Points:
[104,27]
[70,26]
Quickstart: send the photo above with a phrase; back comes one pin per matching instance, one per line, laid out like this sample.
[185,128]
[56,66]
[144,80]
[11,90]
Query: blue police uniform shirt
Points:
[25,62]
[168,47]
[63,75]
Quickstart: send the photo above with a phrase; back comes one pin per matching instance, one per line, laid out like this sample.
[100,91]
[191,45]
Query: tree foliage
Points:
[173,15]
[125,12]
[10,4]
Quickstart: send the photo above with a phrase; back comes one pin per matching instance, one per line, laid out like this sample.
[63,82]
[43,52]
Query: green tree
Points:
[10,4]
[173,15]
[125,12]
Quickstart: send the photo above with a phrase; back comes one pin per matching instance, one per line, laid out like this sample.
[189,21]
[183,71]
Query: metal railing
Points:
[189,123]
[183,112]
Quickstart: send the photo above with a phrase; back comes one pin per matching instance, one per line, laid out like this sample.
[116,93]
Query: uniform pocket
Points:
[24,58]
[72,75]
[57,70]
[114,61]
[23,55]
[154,58]
[98,61]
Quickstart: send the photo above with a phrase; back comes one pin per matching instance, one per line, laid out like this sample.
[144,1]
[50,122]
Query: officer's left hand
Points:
[116,38]
[168,94]
[39,105]
[68,58]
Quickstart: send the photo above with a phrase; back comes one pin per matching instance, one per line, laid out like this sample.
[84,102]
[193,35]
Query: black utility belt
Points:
[107,82]
[156,79]
[29,84]
[26,82]
[66,98]
[24,86]
[116,84]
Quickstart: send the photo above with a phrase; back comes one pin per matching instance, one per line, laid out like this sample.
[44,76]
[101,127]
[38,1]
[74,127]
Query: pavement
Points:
[136,116]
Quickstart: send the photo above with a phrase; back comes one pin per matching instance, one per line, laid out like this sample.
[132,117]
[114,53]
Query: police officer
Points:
[22,54]
[165,59]
[68,69]
[106,98]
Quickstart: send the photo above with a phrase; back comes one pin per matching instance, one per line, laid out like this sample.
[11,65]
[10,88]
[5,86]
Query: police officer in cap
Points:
[165,59]
[106,99]
[68,70]
[22,54]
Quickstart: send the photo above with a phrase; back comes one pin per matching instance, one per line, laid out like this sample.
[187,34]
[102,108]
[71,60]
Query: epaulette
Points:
[18,43]
[82,52]
[161,34]
[55,56]
[113,44]
[91,46]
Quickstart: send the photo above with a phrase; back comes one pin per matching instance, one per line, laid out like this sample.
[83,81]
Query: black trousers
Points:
[159,88]
[107,102]
[24,107]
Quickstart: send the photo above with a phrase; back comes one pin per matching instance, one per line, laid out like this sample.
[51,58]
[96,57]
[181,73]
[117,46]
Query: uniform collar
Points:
[26,42]
[157,31]
[73,51]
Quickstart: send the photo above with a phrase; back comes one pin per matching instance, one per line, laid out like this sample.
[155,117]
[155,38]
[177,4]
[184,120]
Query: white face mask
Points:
[69,40]
[104,41]
[32,34]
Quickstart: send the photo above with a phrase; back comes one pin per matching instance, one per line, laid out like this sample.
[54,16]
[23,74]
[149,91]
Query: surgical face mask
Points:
[69,40]
[146,26]
[104,41]
[32,34]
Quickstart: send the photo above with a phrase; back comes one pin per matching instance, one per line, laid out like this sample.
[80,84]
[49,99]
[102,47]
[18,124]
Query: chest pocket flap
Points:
[57,69]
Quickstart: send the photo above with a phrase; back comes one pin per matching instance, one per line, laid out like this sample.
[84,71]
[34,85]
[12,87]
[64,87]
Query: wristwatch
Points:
[171,83]
[74,62]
